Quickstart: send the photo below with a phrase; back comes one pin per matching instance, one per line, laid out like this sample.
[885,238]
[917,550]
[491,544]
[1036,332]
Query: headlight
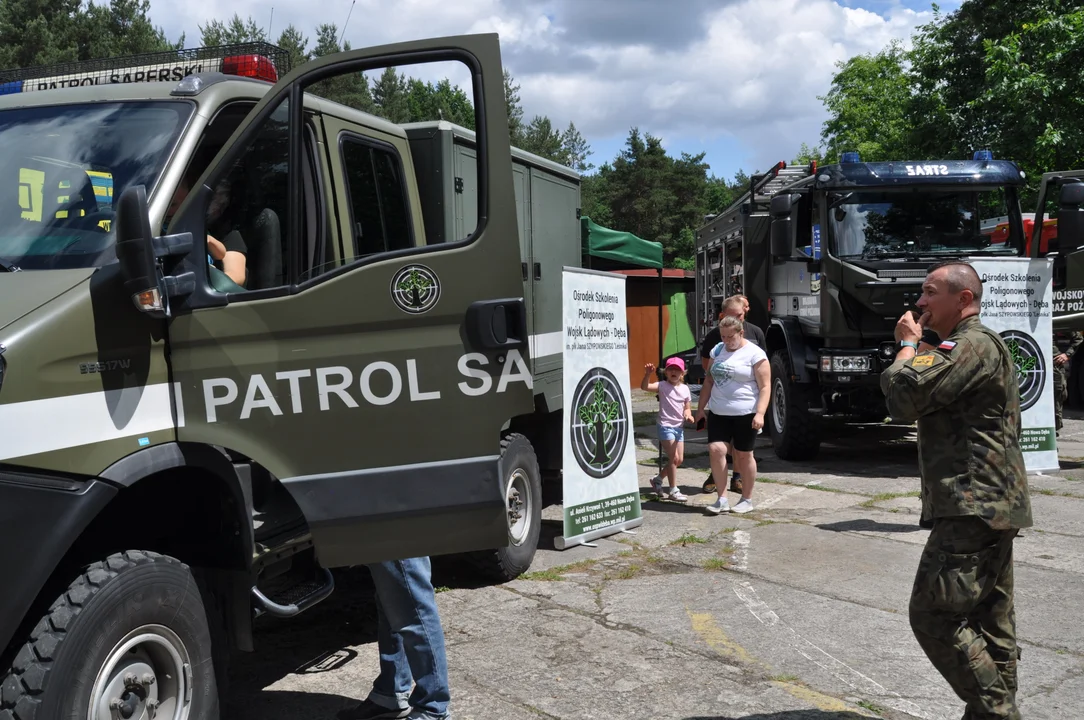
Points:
[845,363]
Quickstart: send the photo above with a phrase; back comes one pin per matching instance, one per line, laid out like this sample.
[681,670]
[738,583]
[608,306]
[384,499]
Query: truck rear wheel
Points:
[522,482]
[128,638]
[795,435]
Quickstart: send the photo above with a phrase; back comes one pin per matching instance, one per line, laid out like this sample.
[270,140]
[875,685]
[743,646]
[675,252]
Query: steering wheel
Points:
[90,222]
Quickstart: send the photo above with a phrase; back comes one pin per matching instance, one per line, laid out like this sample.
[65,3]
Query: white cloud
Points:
[746,69]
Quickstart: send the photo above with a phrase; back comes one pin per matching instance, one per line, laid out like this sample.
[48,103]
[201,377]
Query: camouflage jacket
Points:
[965,397]
[1067,342]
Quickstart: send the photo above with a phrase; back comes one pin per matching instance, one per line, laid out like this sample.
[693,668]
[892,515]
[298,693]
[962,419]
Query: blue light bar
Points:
[851,156]
[10,88]
[985,155]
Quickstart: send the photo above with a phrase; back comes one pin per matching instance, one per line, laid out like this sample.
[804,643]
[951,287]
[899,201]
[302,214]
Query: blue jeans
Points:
[410,639]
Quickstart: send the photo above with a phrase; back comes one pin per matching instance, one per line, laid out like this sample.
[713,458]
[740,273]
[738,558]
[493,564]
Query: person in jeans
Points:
[410,639]
[736,306]
[736,392]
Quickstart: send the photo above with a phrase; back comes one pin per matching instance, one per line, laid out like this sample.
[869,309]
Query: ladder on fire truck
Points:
[712,273]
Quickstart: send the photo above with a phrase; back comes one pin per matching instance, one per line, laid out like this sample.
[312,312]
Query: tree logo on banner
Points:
[1030,366]
[415,289]
[600,423]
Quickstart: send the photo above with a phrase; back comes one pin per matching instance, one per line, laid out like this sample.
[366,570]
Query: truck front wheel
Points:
[795,435]
[522,486]
[128,638]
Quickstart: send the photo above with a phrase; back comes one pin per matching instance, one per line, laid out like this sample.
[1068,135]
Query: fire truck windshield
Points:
[63,167]
[872,224]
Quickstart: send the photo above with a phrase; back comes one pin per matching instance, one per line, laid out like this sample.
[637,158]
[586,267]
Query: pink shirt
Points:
[672,403]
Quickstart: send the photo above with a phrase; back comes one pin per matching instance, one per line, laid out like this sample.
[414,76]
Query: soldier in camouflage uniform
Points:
[964,395]
[1065,345]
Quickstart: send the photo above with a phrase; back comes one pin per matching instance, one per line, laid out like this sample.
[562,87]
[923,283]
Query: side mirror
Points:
[135,250]
[1070,217]
[784,225]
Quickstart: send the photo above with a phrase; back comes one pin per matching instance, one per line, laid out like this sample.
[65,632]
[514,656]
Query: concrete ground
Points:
[797,611]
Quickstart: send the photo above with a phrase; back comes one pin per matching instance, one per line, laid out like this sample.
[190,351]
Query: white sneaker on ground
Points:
[719,506]
[743,506]
[677,496]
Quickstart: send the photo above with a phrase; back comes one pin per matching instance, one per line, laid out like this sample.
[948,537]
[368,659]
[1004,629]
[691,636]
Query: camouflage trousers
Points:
[962,614]
[1061,393]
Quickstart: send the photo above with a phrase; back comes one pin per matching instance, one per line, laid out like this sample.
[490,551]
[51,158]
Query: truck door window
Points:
[374,179]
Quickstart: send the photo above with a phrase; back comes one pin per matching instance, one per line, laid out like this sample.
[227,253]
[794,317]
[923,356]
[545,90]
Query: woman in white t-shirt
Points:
[736,390]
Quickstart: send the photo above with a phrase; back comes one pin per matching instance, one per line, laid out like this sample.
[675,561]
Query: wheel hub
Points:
[779,406]
[145,677]
[519,501]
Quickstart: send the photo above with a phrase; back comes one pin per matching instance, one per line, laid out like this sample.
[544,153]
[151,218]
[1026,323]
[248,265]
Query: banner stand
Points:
[1018,303]
[600,483]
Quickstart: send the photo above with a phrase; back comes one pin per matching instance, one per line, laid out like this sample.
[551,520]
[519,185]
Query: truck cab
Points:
[830,257]
[234,357]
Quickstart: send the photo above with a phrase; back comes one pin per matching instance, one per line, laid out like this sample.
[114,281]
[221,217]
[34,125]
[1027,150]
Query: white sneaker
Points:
[656,485]
[719,506]
[677,496]
[743,506]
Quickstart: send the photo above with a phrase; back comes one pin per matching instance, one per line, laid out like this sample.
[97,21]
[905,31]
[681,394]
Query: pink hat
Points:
[676,362]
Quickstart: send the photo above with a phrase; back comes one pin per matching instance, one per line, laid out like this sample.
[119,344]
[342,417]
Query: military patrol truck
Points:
[180,452]
[831,256]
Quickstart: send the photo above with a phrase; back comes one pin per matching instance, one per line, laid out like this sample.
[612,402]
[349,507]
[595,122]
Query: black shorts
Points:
[734,430]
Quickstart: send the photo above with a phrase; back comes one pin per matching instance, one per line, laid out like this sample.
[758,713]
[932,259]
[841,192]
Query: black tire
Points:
[519,468]
[53,676]
[794,430]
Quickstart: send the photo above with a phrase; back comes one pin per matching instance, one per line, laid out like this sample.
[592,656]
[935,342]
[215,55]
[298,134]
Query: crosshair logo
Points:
[1030,366]
[415,289]
[600,423]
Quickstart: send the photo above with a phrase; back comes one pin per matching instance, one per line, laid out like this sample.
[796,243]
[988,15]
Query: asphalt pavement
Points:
[797,611]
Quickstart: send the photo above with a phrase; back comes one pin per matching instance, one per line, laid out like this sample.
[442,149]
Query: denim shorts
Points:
[671,433]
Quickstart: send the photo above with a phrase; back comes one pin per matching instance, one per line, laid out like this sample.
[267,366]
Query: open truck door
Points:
[367,371]
[1057,231]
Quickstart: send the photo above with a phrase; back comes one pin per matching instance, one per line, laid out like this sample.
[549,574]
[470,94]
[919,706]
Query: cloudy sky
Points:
[738,79]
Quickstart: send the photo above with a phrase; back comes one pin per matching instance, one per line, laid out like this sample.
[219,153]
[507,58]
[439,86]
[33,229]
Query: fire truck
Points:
[830,257]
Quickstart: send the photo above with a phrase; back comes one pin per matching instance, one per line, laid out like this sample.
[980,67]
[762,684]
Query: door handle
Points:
[524,266]
[497,324]
[538,271]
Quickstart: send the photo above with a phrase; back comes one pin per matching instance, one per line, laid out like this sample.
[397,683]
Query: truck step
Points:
[294,599]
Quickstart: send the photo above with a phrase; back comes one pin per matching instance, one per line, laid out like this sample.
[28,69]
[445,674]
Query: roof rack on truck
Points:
[256,60]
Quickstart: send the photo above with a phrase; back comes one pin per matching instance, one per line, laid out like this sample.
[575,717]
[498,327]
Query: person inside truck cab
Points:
[228,255]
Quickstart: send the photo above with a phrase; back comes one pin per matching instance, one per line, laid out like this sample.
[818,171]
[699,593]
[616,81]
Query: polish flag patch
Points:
[946,345]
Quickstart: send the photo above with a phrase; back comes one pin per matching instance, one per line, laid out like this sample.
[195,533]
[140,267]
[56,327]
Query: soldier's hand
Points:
[908,329]
[1061,359]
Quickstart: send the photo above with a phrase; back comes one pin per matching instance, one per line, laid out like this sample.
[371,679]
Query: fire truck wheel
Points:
[793,428]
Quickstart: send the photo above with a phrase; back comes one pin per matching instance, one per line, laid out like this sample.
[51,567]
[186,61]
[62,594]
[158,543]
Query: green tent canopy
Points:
[619,246]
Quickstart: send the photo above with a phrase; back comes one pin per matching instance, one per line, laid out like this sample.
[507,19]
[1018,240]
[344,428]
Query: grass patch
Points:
[872,707]
[689,539]
[627,573]
[558,572]
[715,564]
[883,497]
[442,588]
[765,522]
[792,679]
[645,417]
[1044,491]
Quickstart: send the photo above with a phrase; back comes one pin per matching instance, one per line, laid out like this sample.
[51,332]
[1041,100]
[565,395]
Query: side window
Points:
[378,204]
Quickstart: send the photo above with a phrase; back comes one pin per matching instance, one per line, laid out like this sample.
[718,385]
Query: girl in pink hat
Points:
[675,409]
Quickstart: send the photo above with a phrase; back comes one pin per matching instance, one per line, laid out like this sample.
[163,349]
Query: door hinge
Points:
[459,186]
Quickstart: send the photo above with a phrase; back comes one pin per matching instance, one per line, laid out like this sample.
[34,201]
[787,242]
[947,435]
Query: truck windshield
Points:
[902,223]
[62,168]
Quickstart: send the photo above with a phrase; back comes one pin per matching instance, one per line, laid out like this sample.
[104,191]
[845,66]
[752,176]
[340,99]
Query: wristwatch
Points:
[909,343]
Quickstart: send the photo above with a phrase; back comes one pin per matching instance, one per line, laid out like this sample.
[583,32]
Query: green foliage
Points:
[998,74]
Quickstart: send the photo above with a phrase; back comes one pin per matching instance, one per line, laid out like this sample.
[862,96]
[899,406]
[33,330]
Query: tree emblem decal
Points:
[415,289]
[600,423]
[1030,366]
